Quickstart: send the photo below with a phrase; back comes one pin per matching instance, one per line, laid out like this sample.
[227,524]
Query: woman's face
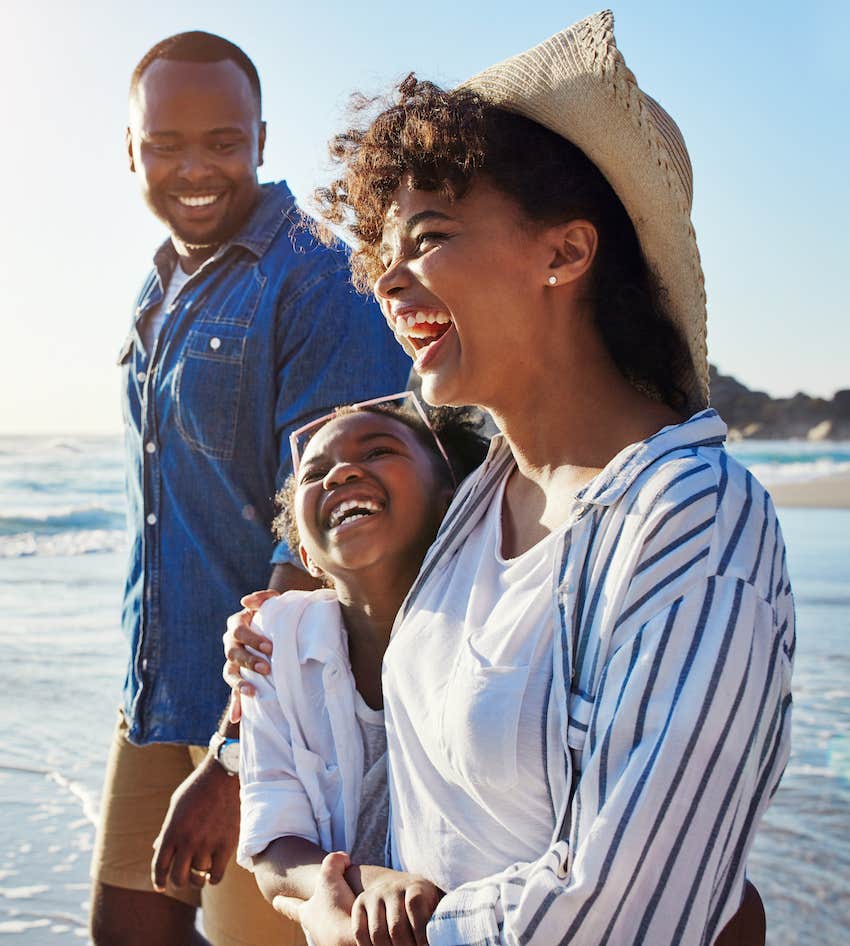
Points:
[460,287]
[366,493]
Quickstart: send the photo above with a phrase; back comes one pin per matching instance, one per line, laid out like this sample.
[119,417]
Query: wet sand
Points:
[827,492]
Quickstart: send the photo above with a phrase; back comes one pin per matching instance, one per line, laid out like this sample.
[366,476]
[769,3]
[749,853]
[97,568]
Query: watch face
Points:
[228,756]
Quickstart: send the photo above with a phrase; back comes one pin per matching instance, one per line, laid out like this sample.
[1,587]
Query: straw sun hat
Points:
[577,84]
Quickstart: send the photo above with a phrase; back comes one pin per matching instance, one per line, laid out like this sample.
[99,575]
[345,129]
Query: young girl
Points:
[362,508]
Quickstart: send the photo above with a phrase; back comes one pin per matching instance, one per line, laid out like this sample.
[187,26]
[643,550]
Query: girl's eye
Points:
[379,452]
[311,475]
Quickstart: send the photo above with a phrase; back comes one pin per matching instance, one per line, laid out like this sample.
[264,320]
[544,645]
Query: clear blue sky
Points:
[760,91]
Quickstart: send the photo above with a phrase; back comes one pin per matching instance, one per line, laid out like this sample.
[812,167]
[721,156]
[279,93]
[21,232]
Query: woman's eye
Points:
[429,237]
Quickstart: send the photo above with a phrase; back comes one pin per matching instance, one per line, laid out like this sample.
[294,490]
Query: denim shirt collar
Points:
[703,429]
[275,207]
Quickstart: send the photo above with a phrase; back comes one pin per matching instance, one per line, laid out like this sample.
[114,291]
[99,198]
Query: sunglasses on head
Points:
[299,438]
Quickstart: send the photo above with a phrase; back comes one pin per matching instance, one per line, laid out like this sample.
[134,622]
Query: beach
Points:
[828,492]
[62,556]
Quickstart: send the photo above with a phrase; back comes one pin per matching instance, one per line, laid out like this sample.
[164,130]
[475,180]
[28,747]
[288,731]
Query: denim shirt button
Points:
[150,447]
[140,377]
[151,519]
[215,343]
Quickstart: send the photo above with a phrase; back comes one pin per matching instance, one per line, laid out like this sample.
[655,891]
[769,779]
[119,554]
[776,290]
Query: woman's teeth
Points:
[414,326]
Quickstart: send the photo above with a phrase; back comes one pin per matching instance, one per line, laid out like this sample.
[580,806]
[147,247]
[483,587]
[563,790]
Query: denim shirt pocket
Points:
[207,390]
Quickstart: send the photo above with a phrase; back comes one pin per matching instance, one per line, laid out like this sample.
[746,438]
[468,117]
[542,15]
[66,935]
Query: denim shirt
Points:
[268,334]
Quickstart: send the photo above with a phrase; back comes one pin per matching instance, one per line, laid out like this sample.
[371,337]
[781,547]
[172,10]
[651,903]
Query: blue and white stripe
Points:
[671,678]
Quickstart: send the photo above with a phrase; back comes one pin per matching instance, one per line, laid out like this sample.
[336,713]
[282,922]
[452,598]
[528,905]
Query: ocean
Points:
[62,551]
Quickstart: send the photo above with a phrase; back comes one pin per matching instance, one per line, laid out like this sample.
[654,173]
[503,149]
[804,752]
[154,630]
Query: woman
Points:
[587,690]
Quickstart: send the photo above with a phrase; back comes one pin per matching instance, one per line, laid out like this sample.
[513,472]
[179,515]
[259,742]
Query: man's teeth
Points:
[364,507]
[408,325]
[204,201]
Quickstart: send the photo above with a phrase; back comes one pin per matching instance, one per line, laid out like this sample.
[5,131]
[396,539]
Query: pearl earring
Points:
[553,280]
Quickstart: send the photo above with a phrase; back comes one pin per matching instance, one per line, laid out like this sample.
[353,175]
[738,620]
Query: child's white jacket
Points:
[301,765]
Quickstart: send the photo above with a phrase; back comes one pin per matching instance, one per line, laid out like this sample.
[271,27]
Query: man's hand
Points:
[237,638]
[326,916]
[395,911]
[200,831]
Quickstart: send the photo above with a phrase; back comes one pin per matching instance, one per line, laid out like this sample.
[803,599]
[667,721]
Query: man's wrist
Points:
[225,750]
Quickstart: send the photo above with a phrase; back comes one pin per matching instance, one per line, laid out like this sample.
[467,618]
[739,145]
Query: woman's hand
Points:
[395,911]
[326,916]
[237,638]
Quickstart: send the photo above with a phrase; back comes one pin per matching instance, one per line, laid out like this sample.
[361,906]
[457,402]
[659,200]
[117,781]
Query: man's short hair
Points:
[198,46]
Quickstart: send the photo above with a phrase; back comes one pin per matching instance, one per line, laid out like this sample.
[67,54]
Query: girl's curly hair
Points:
[459,430]
[442,139]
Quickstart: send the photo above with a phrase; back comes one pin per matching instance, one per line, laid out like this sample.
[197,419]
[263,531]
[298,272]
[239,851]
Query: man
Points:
[243,330]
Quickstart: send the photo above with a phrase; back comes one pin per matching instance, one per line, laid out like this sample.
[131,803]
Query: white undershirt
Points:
[370,839]
[151,324]
[466,686]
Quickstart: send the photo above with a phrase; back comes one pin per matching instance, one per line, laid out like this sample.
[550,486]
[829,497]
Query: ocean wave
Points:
[798,472]
[80,542]
[43,520]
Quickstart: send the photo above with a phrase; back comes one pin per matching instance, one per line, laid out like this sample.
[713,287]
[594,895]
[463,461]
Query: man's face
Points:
[196,140]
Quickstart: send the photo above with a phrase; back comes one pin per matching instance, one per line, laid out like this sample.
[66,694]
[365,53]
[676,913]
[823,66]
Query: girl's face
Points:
[366,494]
[461,289]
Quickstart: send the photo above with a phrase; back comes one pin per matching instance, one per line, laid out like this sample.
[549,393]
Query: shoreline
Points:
[825,492]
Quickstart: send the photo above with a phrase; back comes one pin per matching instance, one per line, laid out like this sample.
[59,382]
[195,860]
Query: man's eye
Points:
[164,149]
[223,147]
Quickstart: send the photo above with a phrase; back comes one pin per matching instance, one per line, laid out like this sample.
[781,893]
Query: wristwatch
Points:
[226,752]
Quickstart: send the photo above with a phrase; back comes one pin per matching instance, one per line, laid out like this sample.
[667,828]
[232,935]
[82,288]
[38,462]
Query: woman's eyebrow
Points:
[411,222]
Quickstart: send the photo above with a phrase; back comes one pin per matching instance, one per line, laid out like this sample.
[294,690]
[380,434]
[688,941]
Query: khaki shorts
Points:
[136,793]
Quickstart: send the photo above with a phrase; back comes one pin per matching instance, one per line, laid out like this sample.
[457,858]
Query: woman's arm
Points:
[687,740]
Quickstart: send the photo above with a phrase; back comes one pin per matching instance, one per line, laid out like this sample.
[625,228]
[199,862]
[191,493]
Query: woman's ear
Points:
[574,245]
[309,564]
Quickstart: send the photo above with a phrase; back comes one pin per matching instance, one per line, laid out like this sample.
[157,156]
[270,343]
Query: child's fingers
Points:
[398,924]
[253,601]
[418,913]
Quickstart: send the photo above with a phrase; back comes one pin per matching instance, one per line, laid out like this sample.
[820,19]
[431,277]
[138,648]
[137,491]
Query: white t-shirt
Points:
[474,662]
[371,836]
[152,322]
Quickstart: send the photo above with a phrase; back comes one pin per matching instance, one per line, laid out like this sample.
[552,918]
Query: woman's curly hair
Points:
[460,433]
[442,139]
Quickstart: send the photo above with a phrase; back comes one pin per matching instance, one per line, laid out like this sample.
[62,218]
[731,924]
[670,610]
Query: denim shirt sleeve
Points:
[328,315]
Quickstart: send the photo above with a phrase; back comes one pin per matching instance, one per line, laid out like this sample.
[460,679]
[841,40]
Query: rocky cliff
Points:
[754,414]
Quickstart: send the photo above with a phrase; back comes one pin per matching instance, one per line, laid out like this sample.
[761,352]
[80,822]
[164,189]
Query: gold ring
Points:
[198,872]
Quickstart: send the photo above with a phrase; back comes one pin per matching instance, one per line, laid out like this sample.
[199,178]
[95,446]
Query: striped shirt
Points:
[671,690]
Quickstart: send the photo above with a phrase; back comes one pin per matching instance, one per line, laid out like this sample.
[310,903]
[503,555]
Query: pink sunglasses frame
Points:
[401,396]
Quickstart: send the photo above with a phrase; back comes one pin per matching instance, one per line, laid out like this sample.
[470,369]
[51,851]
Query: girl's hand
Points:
[395,911]
[326,916]
[237,638]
